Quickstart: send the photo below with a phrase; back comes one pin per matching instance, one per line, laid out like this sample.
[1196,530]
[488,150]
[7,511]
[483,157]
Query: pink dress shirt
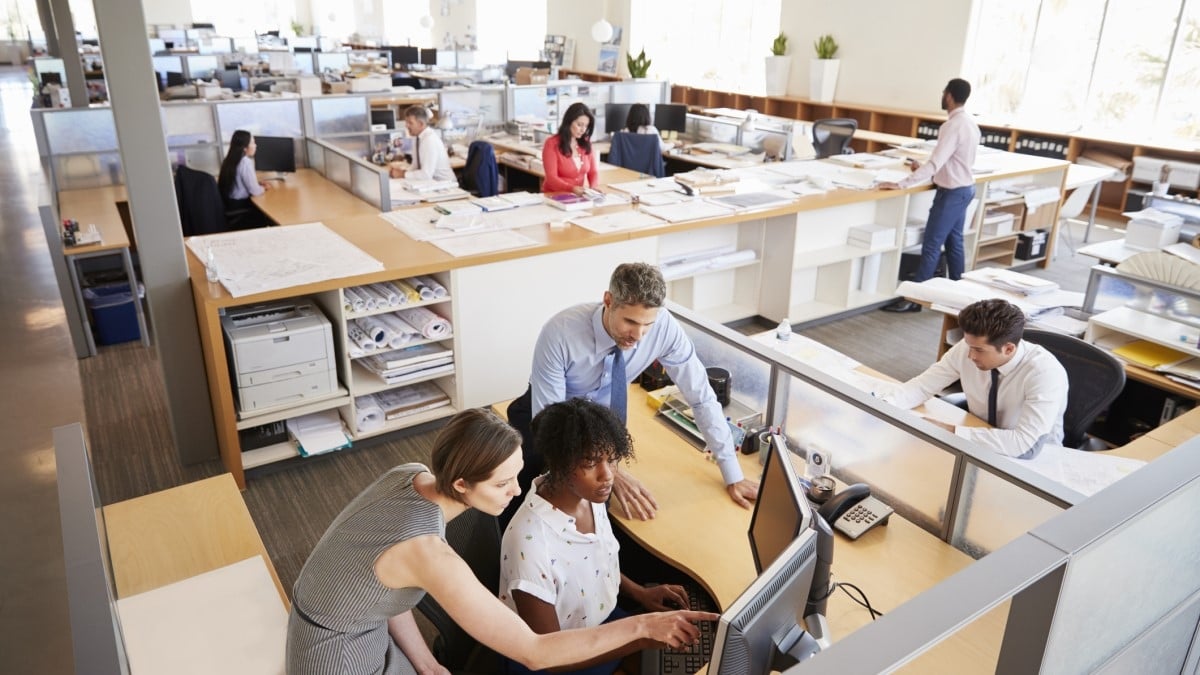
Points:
[561,173]
[953,156]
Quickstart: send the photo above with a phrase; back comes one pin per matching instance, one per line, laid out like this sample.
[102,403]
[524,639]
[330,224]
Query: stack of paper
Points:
[613,222]
[1013,282]
[1150,355]
[755,200]
[318,433]
[410,400]
[504,202]
[864,160]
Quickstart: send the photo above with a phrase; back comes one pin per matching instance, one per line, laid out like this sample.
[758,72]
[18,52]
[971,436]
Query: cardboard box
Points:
[532,76]
[1040,218]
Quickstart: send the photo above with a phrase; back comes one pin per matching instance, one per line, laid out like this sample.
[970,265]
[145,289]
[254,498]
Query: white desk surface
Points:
[1079,175]
[1113,252]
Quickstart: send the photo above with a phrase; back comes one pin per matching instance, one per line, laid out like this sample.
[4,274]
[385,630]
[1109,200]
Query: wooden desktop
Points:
[306,196]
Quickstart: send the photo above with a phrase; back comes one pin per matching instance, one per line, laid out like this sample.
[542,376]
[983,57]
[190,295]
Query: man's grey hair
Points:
[637,284]
[417,112]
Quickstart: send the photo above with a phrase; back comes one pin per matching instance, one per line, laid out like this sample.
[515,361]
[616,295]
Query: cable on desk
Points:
[864,602]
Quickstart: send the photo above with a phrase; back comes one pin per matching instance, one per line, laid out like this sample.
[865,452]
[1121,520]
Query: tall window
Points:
[714,44]
[501,35]
[1125,66]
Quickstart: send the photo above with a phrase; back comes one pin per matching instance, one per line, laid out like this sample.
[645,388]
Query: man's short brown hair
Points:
[997,320]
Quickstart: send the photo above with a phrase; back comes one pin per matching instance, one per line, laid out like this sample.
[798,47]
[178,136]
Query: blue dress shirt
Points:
[573,358]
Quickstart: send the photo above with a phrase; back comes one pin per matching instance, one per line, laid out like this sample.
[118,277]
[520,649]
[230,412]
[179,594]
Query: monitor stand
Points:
[795,646]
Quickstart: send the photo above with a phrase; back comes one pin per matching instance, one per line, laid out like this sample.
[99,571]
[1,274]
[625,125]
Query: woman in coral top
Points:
[567,156]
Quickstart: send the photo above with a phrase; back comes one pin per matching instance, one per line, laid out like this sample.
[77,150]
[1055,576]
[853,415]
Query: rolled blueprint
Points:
[368,414]
[375,328]
[359,337]
[431,326]
[409,290]
[404,331]
[386,293]
[354,301]
[439,291]
[426,292]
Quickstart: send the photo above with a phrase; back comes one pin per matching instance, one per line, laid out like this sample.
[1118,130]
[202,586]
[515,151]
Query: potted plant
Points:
[638,67]
[778,66]
[823,71]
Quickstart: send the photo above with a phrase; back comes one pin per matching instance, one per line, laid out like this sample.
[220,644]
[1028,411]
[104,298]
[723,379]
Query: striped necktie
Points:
[619,386]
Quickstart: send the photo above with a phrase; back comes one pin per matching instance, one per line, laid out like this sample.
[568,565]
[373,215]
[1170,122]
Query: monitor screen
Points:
[614,116]
[405,56]
[275,153]
[231,79]
[429,57]
[782,510]
[761,631]
[51,78]
[385,117]
[670,117]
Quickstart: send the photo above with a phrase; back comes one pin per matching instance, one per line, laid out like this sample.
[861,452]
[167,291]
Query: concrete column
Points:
[68,51]
[143,146]
[46,16]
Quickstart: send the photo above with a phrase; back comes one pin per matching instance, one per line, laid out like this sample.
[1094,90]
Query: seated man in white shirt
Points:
[430,160]
[1018,387]
[558,561]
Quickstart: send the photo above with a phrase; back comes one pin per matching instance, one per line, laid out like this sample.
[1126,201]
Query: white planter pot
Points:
[778,69]
[822,79]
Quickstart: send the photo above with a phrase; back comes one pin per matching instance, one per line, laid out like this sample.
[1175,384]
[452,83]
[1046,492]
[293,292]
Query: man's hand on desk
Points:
[632,497]
[888,185]
[743,492]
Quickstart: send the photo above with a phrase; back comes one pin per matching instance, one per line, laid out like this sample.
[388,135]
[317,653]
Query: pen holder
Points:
[719,380]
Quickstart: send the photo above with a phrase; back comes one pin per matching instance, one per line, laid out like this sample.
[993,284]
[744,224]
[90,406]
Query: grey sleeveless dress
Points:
[338,623]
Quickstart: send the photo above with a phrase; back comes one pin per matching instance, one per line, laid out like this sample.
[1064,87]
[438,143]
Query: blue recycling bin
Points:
[114,316]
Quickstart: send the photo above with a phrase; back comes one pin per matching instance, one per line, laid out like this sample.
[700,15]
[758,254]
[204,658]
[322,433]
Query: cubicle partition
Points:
[1062,584]
[543,104]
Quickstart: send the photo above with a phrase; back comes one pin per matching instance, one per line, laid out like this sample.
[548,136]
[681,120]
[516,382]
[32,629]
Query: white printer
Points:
[280,353]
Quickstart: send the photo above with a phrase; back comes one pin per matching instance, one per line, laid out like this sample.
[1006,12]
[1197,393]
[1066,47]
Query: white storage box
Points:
[1150,229]
[309,86]
[872,236]
[370,83]
[913,232]
[998,223]
[1184,175]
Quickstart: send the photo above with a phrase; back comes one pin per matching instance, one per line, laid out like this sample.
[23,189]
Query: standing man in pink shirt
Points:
[950,167]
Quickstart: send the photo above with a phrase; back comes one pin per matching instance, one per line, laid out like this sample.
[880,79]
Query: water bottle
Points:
[211,267]
[784,331]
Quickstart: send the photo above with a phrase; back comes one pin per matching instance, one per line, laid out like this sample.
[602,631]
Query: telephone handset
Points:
[853,511]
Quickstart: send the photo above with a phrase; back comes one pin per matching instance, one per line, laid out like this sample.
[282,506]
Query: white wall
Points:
[574,19]
[177,12]
[894,54]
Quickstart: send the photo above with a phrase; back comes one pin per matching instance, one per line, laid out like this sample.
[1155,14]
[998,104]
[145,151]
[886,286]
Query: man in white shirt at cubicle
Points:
[1018,387]
[429,158]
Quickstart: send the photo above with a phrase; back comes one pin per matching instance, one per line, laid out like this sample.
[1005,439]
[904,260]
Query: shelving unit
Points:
[1115,196]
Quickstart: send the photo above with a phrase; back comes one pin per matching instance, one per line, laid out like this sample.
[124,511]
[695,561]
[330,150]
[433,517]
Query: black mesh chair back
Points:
[475,536]
[832,136]
[1095,377]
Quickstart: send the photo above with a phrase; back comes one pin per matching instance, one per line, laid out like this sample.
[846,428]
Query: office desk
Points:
[700,531]
[608,173]
[1112,252]
[178,533]
[98,206]
[306,196]
[1080,176]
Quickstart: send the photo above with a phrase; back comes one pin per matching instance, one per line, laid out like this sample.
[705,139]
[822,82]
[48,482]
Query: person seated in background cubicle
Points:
[594,350]
[567,156]
[238,182]
[638,122]
[352,603]
[430,159]
[1017,386]
[559,567]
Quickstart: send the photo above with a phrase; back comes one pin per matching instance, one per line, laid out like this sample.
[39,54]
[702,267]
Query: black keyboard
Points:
[689,659]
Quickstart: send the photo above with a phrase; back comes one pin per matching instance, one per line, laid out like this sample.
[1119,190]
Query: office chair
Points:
[480,175]
[832,136]
[1094,376]
[637,152]
[201,208]
[264,86]
[475,536]
[1070,209]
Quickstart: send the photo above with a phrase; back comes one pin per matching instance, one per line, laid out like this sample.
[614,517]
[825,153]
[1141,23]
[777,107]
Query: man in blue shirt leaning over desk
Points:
[594,350]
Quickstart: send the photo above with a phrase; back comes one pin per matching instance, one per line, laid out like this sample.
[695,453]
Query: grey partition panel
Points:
[95,625]
[80,130]
[268,117]
[202,65]
[337,169]
[993,511]
[710,129]
[207,159]
[1154,561]
[316,156]
[638,92]
[189,124]
[749,376]
[365,184]
[336,61]
[87,170]
[351,146]
[340,115]
[1164,648]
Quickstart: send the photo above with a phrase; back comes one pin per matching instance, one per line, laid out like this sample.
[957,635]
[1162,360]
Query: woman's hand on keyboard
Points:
[664,598]
[674,629]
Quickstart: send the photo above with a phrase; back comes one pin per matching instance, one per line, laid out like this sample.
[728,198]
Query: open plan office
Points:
[375,307]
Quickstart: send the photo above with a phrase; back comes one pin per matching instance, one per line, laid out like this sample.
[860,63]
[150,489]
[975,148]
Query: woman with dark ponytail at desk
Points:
[237,181]
[567,156]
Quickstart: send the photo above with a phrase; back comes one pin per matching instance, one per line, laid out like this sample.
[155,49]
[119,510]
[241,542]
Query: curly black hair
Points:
[577,431]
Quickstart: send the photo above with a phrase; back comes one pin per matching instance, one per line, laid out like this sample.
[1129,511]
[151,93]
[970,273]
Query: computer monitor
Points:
[275,153]
[761,631]
[615,115]
[175,79]
[670,117]
[782,510]
[429,57]
[405,56]
[385,117]
[51,78]
[231,79]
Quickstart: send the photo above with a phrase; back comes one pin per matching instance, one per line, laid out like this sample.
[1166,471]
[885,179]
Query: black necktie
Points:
[620,385]
[417,154]
[992,393]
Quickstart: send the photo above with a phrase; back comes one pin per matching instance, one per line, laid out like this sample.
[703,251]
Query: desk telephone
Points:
[852,511]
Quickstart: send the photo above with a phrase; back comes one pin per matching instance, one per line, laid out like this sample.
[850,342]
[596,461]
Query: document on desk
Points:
[865,160]
[230,620]
[484,242]
[614,222]
[271,258]
[1084,472]
[647,186]
[692,209]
